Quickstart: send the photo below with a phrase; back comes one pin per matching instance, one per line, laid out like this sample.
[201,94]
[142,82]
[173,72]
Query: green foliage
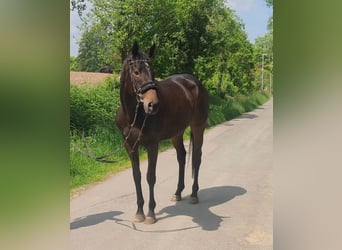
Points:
[199,37]
[94,50]
[92,112]
[73,64]
[263,57]
[228,66]
[231,107]
[101,141]
[91,107]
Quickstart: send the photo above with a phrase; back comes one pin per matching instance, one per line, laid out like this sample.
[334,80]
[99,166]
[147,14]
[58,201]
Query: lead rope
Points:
[140,133]
[132,125]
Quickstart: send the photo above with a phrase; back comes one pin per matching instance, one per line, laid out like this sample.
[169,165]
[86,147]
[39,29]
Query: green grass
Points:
[226,109]
[93,130]
[83,168]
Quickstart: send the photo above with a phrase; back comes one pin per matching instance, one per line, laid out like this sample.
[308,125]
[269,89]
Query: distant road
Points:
[236,197]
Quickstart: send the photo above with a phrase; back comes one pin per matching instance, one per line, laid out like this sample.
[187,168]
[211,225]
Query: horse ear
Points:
[151,50]
[135,49]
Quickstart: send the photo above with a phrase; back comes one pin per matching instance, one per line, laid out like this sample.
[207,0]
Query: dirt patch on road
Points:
[81,78]
[259,237]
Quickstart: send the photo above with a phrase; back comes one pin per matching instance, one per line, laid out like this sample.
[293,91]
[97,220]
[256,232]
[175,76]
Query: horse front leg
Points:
[152,152]
[134,156]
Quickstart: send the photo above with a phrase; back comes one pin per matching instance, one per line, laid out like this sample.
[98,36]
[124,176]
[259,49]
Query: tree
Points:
[94,52]
[201,37]
[264,45]
[228,62]
[176,26]
[269,3]
[78,5]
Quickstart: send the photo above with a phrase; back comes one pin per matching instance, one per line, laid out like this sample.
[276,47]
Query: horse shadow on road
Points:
[200,212]
[94,219]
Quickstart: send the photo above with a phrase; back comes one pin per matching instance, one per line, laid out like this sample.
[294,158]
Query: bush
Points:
[216,115]
[73,64]
[92,107]
[222,109]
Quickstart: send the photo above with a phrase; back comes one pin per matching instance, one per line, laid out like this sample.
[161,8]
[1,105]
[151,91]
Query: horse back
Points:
[184,93]
[184,85]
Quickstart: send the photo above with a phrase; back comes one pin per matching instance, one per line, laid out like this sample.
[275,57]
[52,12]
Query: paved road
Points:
[236,197]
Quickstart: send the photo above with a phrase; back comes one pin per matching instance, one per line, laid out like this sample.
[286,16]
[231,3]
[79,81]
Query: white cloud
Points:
[241,5]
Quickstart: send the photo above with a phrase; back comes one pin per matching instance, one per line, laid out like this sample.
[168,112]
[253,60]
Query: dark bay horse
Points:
[152,111]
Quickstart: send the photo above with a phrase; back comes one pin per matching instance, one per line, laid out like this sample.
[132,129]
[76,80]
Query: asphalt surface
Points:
[236,197]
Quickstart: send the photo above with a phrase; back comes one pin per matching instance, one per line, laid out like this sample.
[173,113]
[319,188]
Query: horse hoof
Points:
[150,220]
[139,218]
[194,200]
[176,197]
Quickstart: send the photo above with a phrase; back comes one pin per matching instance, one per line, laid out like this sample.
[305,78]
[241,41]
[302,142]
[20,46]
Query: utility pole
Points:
[262,72]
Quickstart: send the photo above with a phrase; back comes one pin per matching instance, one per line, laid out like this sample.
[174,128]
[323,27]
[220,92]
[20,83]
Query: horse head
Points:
[142,78]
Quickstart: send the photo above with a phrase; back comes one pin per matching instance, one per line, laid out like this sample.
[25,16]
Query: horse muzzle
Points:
[150,101]
[147,94]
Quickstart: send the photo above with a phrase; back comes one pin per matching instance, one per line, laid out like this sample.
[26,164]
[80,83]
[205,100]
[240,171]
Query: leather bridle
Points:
[138,92]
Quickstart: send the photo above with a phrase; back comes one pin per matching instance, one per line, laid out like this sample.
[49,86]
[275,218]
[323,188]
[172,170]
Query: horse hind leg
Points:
[181,153]
[197,137]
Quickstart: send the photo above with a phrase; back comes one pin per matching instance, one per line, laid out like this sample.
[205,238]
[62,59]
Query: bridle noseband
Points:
[145,87]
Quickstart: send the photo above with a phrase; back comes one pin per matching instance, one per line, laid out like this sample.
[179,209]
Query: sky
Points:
[253,13]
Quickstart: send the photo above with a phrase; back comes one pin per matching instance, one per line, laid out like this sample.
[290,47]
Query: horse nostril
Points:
[152,107]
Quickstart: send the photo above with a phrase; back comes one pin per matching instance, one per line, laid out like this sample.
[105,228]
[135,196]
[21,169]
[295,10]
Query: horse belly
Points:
[177,125]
